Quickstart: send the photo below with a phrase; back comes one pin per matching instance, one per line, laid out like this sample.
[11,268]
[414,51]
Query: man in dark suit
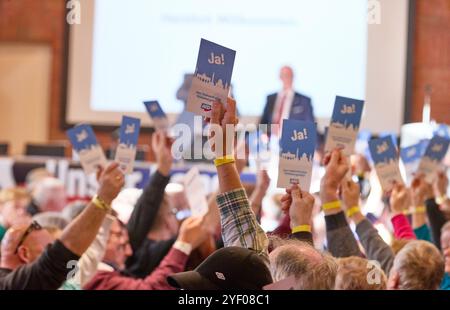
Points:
[287,104]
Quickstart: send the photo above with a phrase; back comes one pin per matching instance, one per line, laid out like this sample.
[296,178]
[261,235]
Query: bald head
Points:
[31,248]
[287,77]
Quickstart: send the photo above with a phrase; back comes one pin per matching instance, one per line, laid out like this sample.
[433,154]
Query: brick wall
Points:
[432,58]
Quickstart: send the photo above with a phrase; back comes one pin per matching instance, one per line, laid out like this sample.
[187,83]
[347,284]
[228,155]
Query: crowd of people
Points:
[49,244]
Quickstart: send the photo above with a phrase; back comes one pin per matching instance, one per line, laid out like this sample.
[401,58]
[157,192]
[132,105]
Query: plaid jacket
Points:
[239,224]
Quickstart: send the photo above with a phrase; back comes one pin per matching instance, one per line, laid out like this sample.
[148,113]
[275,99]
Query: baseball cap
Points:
[225,269]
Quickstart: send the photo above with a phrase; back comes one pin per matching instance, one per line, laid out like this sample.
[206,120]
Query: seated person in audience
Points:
[34,176]
[152,227]
[357,273]
[49,194]
[32,259]
[111,275]
[12,208]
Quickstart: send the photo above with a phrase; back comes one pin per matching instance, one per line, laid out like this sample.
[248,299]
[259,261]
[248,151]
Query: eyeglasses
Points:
[33,226]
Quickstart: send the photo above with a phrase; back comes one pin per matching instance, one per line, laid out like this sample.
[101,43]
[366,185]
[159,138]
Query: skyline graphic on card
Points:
[128,139]
[157,114]
[410,157]
[195,192]
[344,125]
[212,77]
[386,161]
[434,154]
[297,145]
[85,144]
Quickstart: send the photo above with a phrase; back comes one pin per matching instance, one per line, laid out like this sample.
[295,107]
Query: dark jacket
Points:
[301,109]
[147,254]
[48,272]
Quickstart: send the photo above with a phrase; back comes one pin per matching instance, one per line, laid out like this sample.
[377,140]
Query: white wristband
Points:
[184,247]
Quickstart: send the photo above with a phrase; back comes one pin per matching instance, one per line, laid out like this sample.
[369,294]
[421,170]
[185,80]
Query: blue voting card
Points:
[385,158]
[412,153]
[212,77]
[297,145]
[85,145]
[344,125]
[128,139]
[411,156]
[430,163]
[159,117]
[442,130]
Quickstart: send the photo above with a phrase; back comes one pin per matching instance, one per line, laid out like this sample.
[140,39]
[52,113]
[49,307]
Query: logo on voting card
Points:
[206,107]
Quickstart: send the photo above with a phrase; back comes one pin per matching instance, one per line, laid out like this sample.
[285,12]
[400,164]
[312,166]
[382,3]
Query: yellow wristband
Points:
[407,212]
[301,228]
[219,161]
[331,205]
[440,200]
[420,209]
[352,211]
[100,203]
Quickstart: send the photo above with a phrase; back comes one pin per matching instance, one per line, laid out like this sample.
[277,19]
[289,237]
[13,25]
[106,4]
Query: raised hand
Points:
[193,231]
[421,190]
[161,145]
[400,199]
[299,204]
[440,184]
[350,194]
[336,168]
[111,181]
[223,121]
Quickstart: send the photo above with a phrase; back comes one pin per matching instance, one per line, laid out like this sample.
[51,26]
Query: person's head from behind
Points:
[13,206]
[118,247]
[23,245]
[166,224]
[417,266]
[287,77]
[357,273]
[226,269]
[312,269]
[35,176]
[50,195]
[445,245]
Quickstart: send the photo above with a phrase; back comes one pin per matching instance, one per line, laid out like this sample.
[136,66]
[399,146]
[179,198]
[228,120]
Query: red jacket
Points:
[173,262]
